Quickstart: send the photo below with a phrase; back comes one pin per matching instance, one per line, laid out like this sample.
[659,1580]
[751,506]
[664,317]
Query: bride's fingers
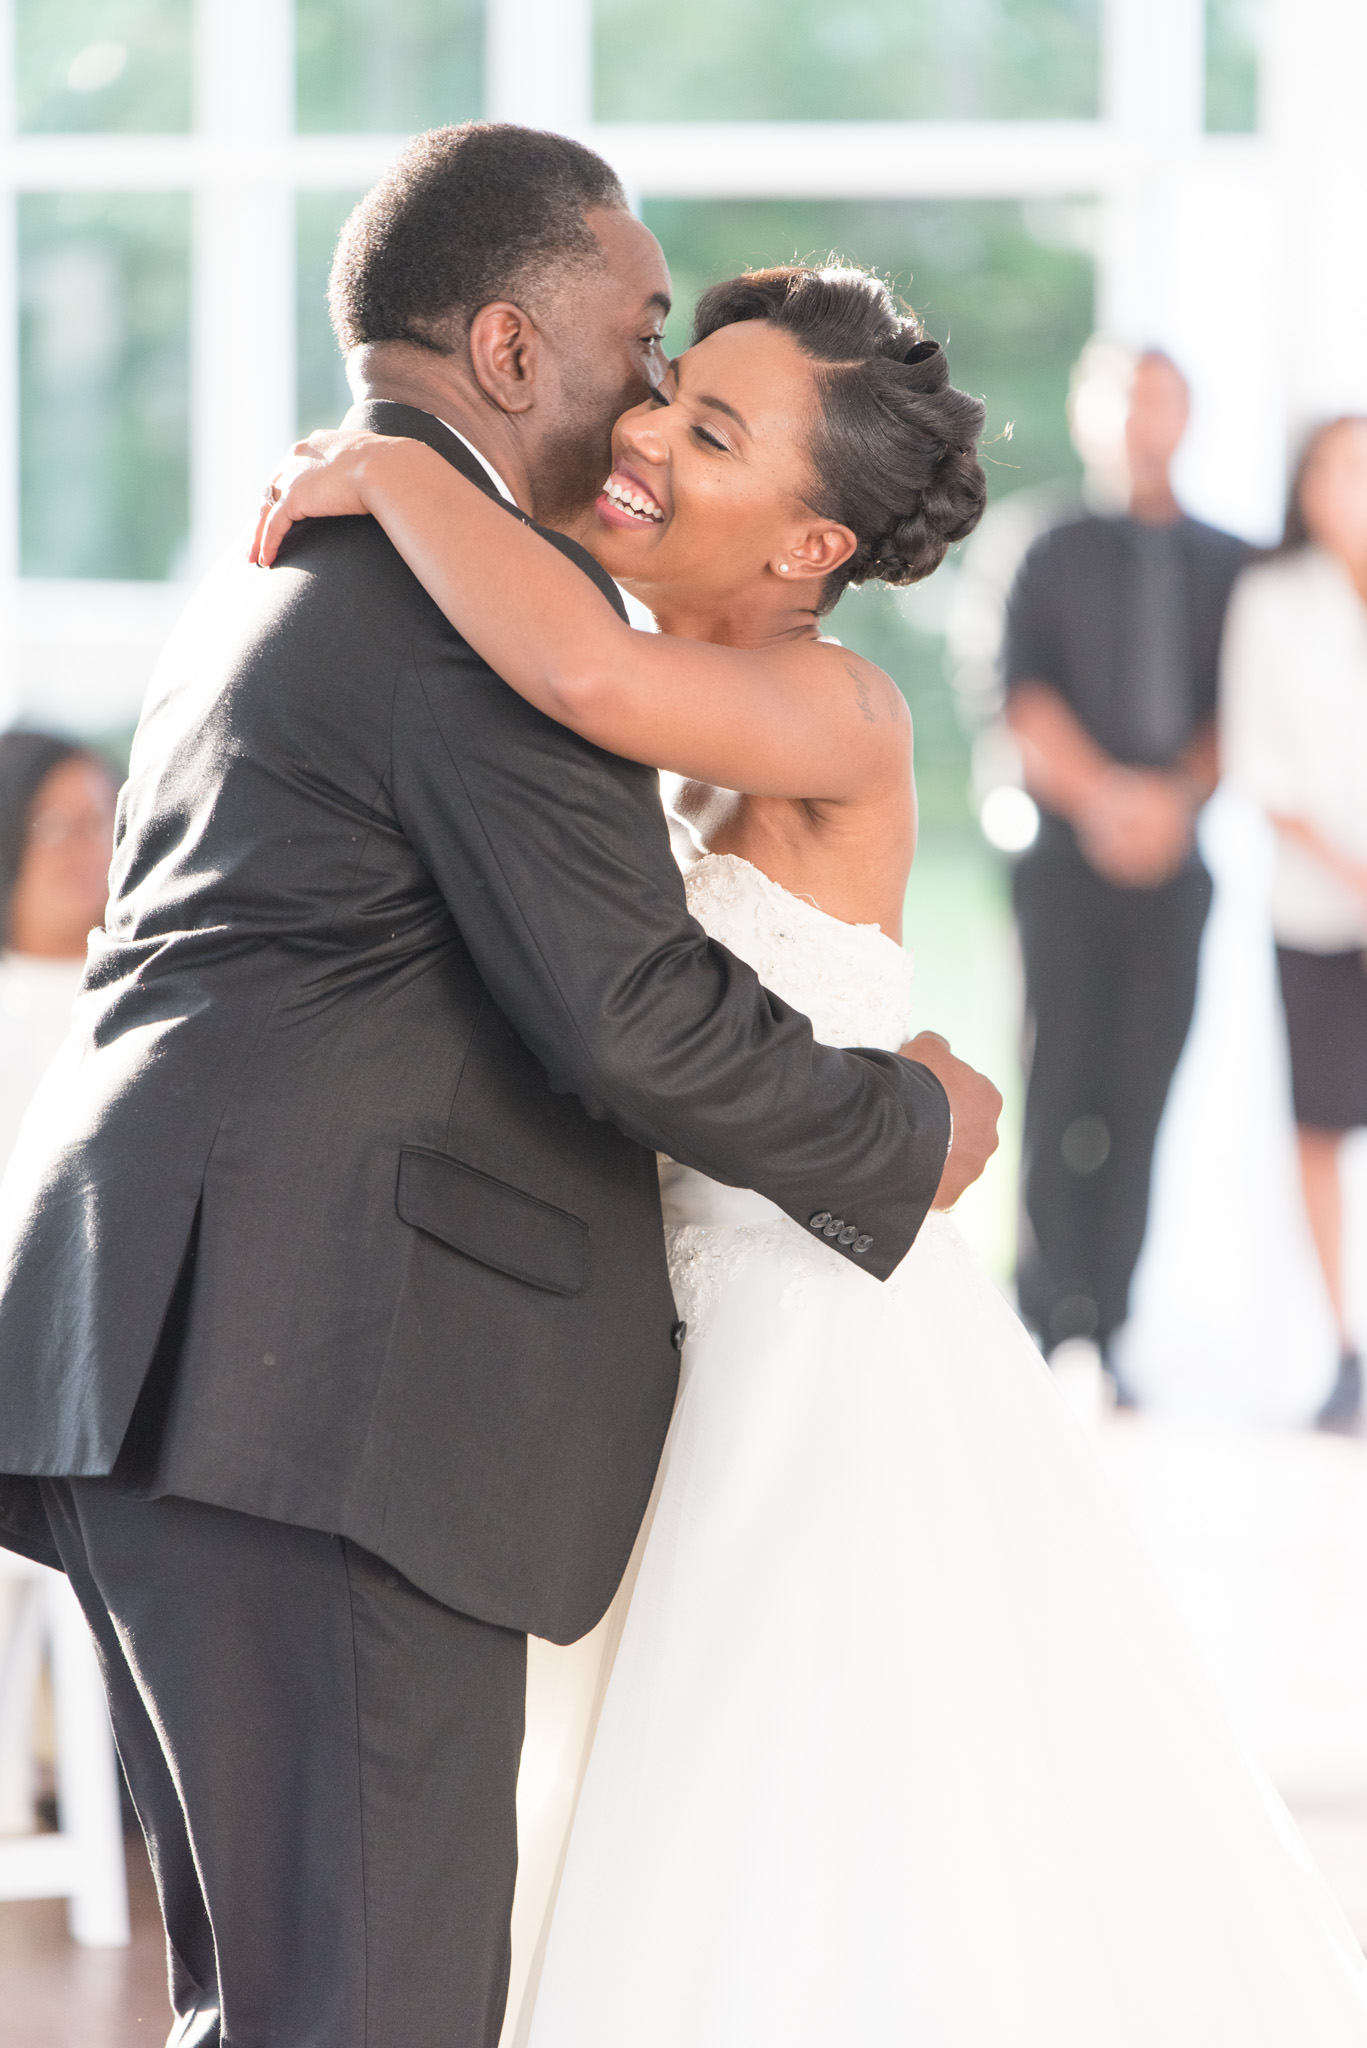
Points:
[314,481]
[263,518]
[263,513]
[270,498]
[275,524]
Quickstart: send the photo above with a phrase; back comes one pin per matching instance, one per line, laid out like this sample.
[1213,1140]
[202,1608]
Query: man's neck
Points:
[1152,501]
[402,374]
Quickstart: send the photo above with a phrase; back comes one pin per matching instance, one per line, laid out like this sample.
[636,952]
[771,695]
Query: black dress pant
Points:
[324,1761]
[1110,985]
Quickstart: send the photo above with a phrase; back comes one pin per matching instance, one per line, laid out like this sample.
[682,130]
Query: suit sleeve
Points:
[554,858]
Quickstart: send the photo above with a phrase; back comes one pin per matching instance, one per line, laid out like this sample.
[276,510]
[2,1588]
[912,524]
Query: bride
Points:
[901,1744]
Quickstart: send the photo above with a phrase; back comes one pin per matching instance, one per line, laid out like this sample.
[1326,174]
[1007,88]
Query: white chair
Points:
[82,1863]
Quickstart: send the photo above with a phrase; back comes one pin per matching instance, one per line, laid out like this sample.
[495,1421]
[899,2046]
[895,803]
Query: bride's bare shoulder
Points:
[873,697]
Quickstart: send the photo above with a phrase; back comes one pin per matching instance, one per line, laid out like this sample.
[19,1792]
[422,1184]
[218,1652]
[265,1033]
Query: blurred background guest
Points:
[1295,738]
[56,838]
[1111,664]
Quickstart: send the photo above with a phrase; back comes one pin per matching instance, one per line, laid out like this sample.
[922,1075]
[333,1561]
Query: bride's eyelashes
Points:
[704,436]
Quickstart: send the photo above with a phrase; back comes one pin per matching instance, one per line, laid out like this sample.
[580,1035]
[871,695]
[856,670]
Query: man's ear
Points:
[505,352]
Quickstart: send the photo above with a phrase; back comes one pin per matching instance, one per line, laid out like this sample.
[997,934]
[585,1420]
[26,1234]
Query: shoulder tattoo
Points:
[863,679]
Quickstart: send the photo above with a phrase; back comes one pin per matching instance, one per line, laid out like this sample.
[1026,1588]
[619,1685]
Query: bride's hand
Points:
[322,479]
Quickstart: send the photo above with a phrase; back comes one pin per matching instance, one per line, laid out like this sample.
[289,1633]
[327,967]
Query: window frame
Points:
[244,164]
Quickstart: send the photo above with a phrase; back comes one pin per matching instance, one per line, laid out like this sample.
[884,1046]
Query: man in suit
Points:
[1112,652]
[336,1340]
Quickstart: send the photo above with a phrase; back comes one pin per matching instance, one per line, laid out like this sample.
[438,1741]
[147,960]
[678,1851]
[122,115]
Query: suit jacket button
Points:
[834,1227]
[820,1220]
[677,1335]
[848,1234]
[863,1244]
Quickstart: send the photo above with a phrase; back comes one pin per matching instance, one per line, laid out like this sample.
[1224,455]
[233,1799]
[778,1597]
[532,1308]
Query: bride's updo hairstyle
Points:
[894,449]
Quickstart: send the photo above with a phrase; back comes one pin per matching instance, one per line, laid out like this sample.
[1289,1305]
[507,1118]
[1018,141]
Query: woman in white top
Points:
[1295,737]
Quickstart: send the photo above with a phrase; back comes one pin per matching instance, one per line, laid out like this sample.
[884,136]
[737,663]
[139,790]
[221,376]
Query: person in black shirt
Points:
[1112,650]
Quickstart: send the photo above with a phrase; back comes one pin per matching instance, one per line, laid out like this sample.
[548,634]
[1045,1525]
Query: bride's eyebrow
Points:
[720,405]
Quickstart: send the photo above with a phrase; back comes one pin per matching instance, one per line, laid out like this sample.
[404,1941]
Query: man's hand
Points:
[1137,827]
[975,1106]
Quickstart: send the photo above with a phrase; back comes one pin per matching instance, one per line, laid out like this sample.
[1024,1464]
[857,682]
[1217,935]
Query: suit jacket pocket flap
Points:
[494,1223]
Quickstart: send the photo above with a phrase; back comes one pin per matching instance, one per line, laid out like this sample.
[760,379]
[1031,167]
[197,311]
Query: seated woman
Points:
[56,837]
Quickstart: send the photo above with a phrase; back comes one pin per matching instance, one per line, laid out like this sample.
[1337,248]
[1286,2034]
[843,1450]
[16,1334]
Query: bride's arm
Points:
[804,720]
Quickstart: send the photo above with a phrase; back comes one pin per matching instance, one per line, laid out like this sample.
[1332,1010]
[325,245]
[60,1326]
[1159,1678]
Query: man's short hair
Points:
[466,216]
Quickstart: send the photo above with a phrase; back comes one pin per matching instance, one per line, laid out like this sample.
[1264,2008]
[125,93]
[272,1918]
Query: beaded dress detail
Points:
[851,979]
[855,984]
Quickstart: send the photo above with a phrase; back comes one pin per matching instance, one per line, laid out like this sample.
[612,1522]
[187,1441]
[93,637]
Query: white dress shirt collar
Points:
[482,460]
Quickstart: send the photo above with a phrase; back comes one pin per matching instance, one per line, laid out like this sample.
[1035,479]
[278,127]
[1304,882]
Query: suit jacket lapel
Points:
[385,416]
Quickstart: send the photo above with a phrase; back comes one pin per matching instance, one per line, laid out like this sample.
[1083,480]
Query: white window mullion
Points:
[243,296]
[1179,260]
[538,63]
[1314,281]
[1153,102]
[860,159]
[9,379]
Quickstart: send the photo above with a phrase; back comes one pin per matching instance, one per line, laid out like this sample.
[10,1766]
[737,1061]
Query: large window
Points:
[177,170]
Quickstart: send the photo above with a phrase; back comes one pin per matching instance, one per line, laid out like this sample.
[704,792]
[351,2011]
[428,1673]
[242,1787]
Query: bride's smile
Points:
[625,501]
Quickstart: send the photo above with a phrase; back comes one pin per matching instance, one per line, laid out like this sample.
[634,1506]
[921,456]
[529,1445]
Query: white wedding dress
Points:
[902,1746]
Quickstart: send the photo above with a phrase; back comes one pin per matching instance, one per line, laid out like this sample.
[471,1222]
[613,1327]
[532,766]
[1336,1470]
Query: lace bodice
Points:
[855,984]
[851,979]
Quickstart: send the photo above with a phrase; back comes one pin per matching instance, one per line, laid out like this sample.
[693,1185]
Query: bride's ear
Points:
[505,345]
[817,551]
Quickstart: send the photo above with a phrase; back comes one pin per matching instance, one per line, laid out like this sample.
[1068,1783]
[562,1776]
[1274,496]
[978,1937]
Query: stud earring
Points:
[783,568]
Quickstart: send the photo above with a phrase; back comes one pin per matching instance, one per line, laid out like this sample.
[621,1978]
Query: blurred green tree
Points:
[323,395]
[892,60]
[103,64]
[404,65]
[1233,35]
[104,383]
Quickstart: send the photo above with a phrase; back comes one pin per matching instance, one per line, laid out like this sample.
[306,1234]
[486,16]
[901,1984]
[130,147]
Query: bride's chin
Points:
[623,554]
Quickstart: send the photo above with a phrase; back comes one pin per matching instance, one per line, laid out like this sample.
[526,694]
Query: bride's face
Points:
[708,496]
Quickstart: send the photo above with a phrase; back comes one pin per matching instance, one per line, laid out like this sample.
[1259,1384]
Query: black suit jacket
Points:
[396,998]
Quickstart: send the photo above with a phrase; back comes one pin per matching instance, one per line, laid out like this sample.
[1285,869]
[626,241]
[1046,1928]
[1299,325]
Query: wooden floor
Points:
[56,1995]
